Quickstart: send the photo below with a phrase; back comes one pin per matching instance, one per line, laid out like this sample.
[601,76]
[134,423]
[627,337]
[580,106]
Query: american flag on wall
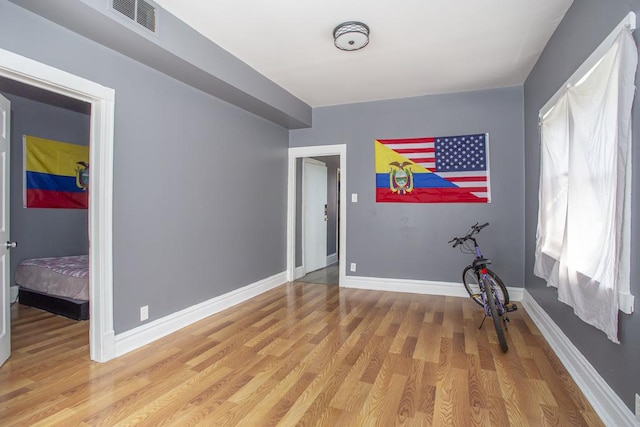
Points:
[446,169]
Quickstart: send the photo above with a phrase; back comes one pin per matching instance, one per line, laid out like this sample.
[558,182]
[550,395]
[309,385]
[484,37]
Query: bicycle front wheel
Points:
[471,280]
[496,319]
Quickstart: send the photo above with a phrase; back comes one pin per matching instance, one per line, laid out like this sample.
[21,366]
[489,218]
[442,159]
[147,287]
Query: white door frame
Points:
[316,151]
[5,249]
[102,100]
[338,178]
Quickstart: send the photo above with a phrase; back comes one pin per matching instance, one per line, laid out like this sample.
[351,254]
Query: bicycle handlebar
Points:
[480,227]
[475,229]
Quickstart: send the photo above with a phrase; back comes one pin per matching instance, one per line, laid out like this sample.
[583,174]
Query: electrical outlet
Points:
[638,406]
[354,198]
[353,266]
[144,313]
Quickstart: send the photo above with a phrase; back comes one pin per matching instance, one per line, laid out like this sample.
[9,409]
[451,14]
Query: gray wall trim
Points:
[180,52]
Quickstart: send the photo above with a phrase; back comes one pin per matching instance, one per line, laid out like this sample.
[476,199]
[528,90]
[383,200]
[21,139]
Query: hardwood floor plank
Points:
[428,343]
[321,402]
[300,354]
[378,403]
[477,392]
[409,397]
[377,359]
[451,406]
[163,406]
[325,378]
[82,407]
[427,393]
[391,414]
[494,399]
[353,379]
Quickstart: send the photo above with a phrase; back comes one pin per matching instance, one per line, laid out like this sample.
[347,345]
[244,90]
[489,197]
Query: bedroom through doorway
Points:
[48,213]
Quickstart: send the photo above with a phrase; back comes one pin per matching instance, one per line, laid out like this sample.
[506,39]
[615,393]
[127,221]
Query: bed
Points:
[59,285]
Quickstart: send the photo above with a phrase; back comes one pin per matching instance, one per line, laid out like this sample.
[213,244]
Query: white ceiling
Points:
[417,47]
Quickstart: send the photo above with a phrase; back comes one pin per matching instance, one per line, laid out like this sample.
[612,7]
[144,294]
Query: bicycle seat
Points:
[481,261]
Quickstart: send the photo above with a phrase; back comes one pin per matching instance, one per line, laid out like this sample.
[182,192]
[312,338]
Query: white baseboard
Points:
[145,334]
[13,294]
[609,407]
[515,294]
[332,259]
[298,273]
[107,351]
[425,287]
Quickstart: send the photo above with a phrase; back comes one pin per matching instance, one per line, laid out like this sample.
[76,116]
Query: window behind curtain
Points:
[581,246]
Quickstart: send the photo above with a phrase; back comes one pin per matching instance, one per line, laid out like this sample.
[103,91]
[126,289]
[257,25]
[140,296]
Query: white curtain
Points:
[585,151]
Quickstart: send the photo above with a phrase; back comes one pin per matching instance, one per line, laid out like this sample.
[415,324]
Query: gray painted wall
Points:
[333,163]
[584,27]
[199,184]
[43,232]
[409,241]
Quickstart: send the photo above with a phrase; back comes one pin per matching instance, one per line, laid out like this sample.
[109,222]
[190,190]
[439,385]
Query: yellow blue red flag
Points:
[447,169]
[56,174]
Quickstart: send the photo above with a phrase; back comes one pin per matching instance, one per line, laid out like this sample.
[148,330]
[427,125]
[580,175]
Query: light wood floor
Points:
[301,354]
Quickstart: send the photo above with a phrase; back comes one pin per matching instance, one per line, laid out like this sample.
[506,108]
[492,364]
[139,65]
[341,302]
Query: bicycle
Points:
[478,279]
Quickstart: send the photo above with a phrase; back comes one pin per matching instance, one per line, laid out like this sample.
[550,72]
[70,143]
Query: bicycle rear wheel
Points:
[496,319]
[471,281]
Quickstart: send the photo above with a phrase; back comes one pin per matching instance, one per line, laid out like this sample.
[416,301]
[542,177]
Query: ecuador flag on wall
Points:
[448,169]
[56,174]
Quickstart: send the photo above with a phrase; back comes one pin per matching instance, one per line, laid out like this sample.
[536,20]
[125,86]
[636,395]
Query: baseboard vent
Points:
[143,12]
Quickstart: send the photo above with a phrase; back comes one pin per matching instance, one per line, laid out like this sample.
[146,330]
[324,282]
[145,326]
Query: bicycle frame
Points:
[483,279]
[488,284]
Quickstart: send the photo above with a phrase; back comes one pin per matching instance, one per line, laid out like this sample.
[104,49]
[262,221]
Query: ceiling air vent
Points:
[140,11]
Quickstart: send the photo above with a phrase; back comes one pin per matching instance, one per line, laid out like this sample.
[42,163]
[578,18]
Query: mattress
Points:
[60,276]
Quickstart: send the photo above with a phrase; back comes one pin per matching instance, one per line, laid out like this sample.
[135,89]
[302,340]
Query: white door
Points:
[5,315]
[314,208]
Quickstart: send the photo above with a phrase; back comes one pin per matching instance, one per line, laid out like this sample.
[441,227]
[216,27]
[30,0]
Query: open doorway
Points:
[101,100]
[48,204]
[332,243]
[317,219]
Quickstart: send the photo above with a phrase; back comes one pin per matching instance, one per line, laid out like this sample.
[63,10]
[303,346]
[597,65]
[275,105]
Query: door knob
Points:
[10,245]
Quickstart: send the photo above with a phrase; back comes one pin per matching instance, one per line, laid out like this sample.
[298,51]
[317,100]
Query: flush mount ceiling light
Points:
[351,35]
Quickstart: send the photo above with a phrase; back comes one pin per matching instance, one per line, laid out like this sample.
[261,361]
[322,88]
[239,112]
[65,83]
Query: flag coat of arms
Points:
[56,174]
[447,169]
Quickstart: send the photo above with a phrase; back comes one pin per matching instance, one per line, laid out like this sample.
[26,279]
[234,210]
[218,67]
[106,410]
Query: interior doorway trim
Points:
[30,72]
[316,151]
